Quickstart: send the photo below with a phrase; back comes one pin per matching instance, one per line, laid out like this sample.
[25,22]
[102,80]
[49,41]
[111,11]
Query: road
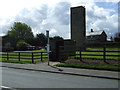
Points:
[18,78]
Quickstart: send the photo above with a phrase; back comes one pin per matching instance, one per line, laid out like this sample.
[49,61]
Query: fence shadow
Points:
[56,68]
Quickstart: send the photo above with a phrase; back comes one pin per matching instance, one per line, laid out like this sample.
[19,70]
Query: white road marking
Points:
[8,88]
[5,87]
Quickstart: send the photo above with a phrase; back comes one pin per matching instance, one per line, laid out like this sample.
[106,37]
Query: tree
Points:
[21,31]
[40,40]
[56,37]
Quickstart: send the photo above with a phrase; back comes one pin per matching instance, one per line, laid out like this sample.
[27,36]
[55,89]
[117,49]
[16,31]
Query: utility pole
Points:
[48,46]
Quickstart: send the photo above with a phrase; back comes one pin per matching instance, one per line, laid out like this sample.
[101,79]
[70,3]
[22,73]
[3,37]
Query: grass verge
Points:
[91,66]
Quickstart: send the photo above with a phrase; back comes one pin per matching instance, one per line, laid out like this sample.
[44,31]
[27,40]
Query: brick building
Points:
[96,36]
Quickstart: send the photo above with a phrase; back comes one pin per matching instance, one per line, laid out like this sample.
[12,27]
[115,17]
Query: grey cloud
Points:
[41,18]
[4,29]
[57,19]
[6,26]
[33,17]
[93,17]
[61,12]
[101,22]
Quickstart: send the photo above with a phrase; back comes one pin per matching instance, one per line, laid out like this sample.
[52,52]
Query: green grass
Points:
[90,66]
[103,66]
[98,53]
[102,48]
[26,56]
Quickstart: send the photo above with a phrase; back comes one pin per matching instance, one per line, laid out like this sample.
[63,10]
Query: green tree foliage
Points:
[40,40]
[22,45]
[56,37]
[21,31]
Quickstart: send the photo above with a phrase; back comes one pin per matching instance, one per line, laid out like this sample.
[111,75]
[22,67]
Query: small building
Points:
[68,49]
[61,49]
[8,43]
[96,36]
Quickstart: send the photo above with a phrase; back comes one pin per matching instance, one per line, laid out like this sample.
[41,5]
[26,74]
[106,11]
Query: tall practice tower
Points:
[78,25]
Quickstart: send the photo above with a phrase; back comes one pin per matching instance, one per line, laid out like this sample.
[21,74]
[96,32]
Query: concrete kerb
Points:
[60,72]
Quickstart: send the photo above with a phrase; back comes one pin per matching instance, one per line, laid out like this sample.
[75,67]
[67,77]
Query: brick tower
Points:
[78,25]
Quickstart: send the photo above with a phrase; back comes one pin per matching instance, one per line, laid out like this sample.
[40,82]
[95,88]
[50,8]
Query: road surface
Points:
[18,78]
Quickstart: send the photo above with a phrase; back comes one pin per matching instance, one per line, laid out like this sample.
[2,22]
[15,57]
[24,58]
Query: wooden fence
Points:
[92,53]
[23,56]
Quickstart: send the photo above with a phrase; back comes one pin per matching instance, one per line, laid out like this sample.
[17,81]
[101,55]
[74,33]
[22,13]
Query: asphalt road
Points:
[18,78]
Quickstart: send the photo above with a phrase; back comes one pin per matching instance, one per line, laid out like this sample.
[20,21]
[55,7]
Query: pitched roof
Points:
[94,33]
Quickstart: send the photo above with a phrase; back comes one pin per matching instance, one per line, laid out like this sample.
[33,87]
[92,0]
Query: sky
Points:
[54,15]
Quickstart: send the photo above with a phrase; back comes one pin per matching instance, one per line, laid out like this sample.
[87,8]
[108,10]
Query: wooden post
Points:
[7,56]
[19,56]
[80,54]
[104,54]
[32,57]
[48,46]
[41,56]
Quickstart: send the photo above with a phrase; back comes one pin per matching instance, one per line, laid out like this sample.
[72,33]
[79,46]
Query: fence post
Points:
[7,56]
[104,54]
[80,54]
[41,56]
[32,57]
[19,56]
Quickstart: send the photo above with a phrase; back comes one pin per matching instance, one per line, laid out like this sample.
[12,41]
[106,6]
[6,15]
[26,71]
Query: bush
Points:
[22,45]
[107,44]
[117,39]
[7,49]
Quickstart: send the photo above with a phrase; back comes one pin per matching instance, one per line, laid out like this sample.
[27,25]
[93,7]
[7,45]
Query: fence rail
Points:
[102,53]
[24,56]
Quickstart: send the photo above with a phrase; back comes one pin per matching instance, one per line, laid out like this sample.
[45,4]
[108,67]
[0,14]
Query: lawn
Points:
[91,61]
[79,64]
[91,66]
[102,49]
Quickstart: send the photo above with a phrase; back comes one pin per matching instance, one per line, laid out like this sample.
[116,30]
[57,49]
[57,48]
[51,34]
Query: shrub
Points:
[117,39]
[22,45]
[7,49]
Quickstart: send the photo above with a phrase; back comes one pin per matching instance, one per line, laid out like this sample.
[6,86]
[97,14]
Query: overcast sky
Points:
[54,15]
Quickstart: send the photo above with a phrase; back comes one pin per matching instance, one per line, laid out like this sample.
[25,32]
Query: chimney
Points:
[92,30]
